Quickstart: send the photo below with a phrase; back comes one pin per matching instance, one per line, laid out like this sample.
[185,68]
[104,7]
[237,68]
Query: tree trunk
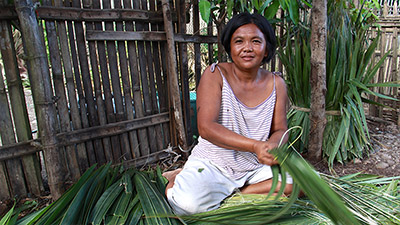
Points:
[317,79]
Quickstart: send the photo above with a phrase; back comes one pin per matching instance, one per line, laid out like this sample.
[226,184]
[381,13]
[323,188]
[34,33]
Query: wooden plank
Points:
[77,14]
[173,76]
[28,147]
[146,36]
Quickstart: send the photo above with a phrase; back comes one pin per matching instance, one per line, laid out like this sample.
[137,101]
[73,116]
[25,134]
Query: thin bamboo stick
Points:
[19,112]
[42,94]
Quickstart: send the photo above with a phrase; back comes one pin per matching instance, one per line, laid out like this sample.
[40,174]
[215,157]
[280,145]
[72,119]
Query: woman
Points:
[241,115]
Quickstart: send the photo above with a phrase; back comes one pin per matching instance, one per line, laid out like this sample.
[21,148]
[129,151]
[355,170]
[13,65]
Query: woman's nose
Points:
[248,47]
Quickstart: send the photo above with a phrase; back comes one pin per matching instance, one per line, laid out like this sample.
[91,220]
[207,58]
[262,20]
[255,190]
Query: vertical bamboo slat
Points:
[42,95]
[19,111]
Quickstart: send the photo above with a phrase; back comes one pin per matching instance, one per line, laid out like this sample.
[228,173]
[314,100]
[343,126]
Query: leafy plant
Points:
[350,71]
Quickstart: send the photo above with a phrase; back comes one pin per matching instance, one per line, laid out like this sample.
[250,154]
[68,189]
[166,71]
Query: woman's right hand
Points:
[261,149]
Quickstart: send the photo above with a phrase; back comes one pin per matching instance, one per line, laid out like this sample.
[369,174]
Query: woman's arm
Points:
[209,93]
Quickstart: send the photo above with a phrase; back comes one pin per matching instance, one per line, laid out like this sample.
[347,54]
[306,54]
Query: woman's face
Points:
[248,46]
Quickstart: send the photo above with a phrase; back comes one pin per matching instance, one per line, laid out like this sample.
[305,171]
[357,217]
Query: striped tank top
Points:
[252,122]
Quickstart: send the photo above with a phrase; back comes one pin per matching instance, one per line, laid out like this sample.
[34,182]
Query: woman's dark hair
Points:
[246,18]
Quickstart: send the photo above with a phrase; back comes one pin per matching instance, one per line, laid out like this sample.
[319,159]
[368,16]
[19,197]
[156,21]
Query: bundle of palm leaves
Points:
[350,69]
[112,195]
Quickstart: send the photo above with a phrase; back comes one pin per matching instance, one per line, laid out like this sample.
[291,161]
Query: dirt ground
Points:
[385,160]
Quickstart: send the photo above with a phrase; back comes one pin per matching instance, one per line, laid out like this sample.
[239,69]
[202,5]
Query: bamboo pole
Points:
[173,76]
[30,163]
[42,94]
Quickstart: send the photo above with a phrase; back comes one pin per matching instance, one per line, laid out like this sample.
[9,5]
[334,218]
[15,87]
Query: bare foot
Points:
[170,175]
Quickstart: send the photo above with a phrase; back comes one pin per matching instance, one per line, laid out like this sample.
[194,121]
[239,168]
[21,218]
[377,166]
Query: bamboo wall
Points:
[107,94]
[389,26]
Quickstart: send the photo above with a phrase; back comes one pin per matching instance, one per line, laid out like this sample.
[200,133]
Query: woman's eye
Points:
[256,41]
[238,41]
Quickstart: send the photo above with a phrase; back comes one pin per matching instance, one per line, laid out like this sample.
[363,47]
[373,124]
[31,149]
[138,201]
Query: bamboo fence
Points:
[110,83]
[389,28]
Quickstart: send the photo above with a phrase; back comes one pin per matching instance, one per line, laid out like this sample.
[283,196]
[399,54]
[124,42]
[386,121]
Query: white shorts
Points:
[202,186]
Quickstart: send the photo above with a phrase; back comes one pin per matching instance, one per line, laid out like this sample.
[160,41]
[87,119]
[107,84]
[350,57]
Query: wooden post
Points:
[317,79]
[173,76]
[39,74]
